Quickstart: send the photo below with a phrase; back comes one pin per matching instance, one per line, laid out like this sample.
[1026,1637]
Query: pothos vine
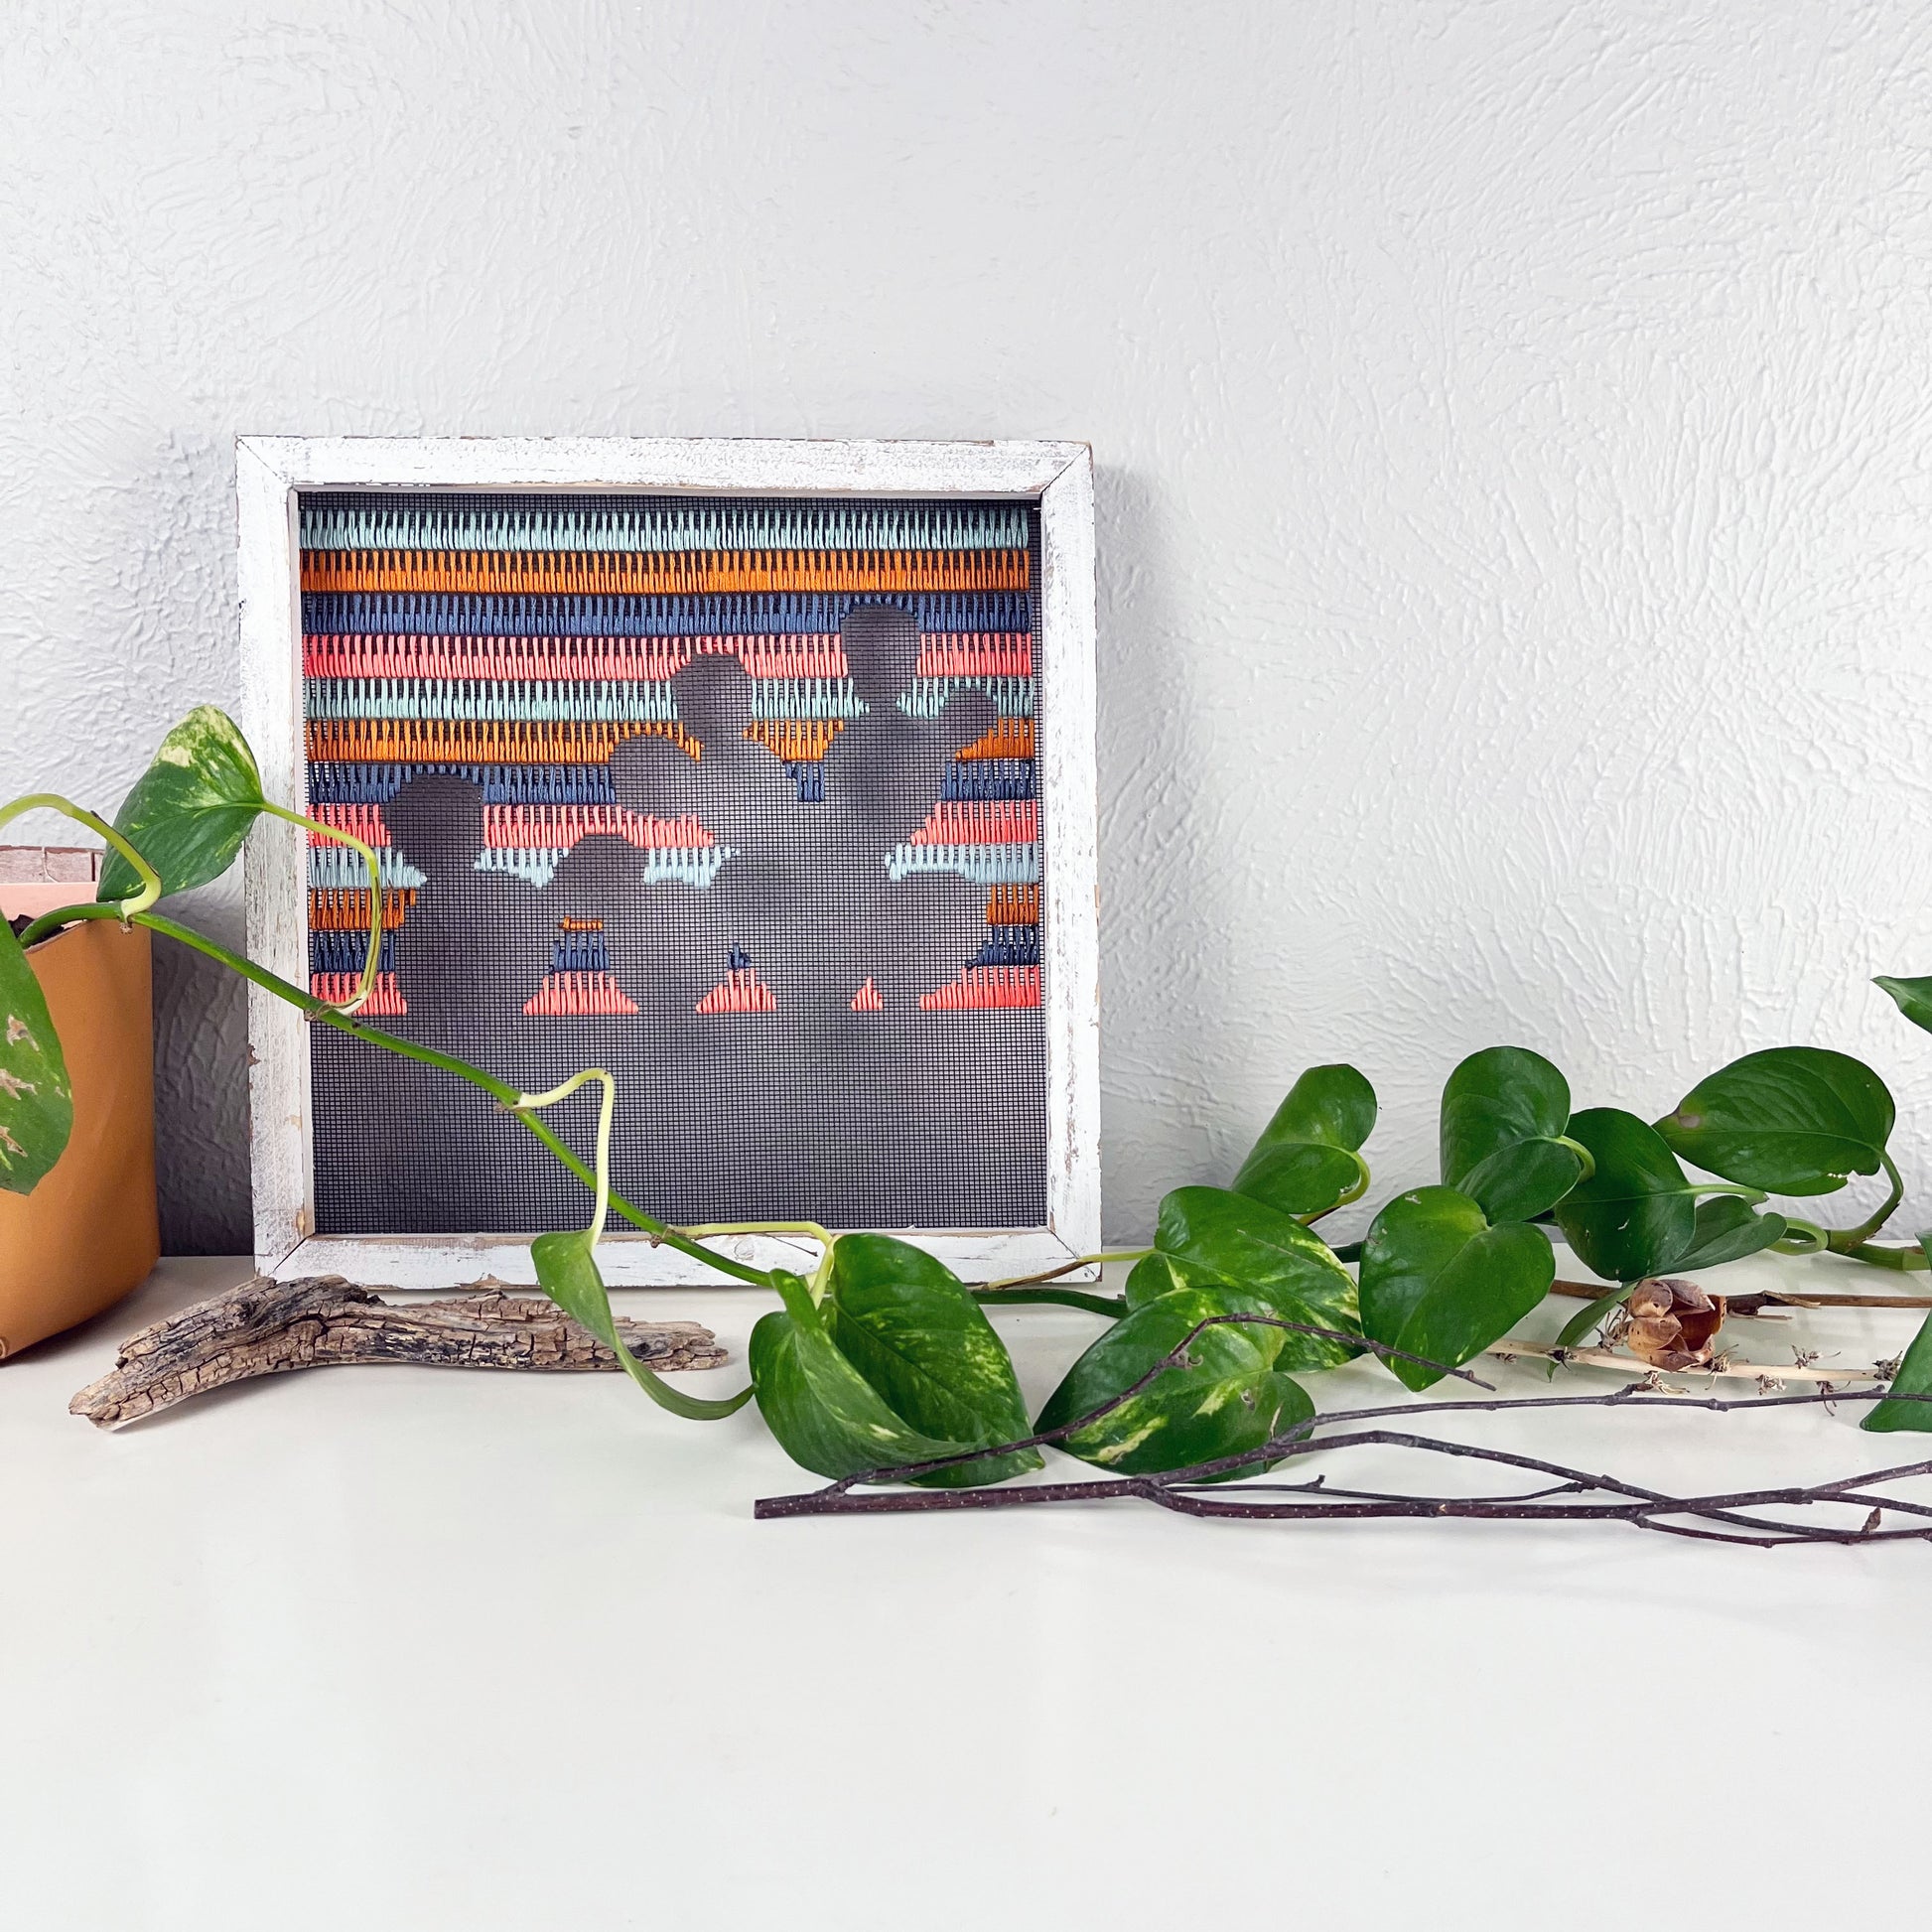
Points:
[879,1363]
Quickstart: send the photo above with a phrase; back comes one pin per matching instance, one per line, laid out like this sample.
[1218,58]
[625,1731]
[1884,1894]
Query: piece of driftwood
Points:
[266,1327]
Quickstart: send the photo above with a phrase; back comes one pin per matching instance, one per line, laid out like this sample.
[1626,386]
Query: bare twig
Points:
[1575,1495]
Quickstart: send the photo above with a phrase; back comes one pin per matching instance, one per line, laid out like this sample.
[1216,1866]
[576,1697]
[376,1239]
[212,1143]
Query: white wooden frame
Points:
[270,469]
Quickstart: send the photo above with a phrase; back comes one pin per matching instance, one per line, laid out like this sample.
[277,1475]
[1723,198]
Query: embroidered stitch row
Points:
[980,822]
[427,523]
[561,826]
[474,699]
[1011,738]
[980,988]
[404,740]
[331,785]
[345,953]
[741,990]
[349,912]
[695,867]
[578,995]
[550,573]
[740,613]
[385,1001]
[404,654]
[989,778]
[978,865]
[408,654]
[1012,697]
[334,868]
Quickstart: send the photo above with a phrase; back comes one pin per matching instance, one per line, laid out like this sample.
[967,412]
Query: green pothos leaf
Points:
[1440,1282]
[1221,1236]
[1155,1275]
[1794,1120]
[1504,1114]
[899,1364]
[1913,998]
[190,811]
[1728,1228]
[1226,1399]
[568,1273]
[1637,1212]
[36,1100]
[1306,1160]
[1914,1378]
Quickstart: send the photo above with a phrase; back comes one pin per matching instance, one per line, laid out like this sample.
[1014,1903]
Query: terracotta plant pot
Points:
[89,1233]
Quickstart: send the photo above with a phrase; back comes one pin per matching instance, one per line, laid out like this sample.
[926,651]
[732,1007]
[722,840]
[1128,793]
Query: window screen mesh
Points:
[735,797]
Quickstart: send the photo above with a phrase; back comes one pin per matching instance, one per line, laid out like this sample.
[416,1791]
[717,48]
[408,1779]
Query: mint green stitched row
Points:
[527,700]
[978,865]
[695,866]
[806,697]
[334,868]
[662,527]
[1012,697]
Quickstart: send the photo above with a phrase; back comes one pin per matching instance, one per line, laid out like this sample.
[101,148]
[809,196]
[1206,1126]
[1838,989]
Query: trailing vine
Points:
[881,1367]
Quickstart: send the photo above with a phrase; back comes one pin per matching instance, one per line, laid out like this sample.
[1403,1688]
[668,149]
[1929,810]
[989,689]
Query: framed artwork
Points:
[759,773]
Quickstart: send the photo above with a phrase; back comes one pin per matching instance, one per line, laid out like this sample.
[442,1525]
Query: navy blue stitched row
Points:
[579,952]
[990,779]
[346,952]
[1009,946]
[502,784]
[437,613]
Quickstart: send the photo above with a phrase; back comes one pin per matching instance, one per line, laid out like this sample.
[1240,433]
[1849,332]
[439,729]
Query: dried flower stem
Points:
[1719,1365]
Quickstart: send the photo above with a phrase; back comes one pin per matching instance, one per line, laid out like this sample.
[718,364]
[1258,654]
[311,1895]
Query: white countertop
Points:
[402,1648]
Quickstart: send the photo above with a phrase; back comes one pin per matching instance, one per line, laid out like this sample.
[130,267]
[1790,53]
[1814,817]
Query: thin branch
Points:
[1192,1492]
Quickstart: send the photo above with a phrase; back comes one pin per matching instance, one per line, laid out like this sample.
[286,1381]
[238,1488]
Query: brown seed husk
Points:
[1674,1323]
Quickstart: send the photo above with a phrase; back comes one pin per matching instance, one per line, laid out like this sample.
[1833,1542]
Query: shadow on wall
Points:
[200,1079]
[1164,919]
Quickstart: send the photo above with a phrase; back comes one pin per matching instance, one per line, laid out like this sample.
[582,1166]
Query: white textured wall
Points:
[1516,516]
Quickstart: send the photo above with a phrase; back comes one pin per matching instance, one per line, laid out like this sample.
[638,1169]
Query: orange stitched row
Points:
[795,740]
[1013,905]
[619,573]
[1011,738]
[338,910]
[412,740]
[568,924]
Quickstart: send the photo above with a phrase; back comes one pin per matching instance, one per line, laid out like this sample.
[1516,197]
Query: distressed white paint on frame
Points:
[1058,475]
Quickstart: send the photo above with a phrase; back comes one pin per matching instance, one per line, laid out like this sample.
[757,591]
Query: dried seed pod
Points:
[1672,1324]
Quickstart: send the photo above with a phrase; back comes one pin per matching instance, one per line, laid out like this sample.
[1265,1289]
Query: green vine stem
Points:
[1901,1261]
[374,959]
[1065,1298]
[498,1090]
[606,1107]
[821,1275]
[1582,1152]
[1801,1238]
[1023,1289]
[1848,1241]
[123,910]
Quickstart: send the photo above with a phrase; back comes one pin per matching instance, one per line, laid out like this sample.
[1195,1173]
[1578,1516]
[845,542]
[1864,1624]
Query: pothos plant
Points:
[883,1361]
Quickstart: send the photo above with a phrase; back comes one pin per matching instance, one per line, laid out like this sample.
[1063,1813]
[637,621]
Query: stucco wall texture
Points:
[1515,509]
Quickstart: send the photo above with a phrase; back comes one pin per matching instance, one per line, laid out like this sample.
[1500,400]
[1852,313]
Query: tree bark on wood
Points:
[267,1327]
